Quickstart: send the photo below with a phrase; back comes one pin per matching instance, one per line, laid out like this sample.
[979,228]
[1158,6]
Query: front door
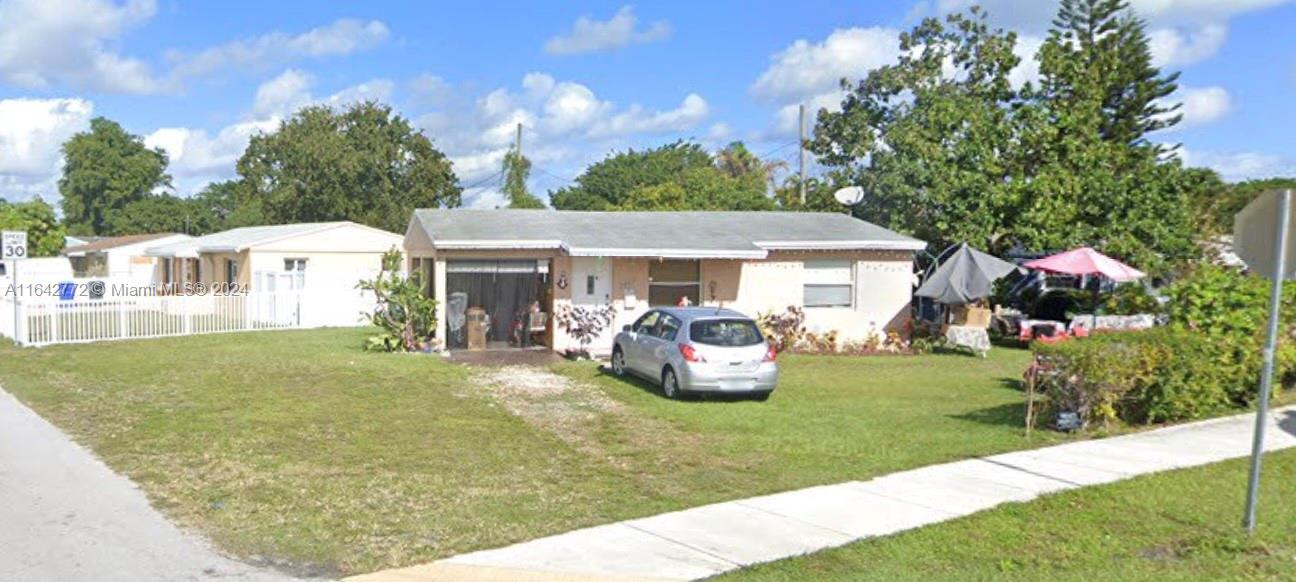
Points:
[591,286]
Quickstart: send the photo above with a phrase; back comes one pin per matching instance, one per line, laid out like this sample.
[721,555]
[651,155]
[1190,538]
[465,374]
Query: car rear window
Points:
[725,332]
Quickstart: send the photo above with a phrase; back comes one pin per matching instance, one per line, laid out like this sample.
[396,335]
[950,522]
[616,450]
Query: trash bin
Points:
[478,323]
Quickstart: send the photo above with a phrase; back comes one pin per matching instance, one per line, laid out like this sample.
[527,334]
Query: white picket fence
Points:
[45,321]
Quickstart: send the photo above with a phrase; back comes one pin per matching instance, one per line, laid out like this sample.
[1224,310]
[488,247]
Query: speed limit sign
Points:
[13,245]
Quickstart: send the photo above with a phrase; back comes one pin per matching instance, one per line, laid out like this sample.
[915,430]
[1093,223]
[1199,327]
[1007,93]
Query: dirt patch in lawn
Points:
[582,416]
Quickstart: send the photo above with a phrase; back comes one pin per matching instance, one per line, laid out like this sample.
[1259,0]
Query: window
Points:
[92,265]
[828,284]
[668,327]
[294,264]
[725,332]
[647,322]
[669,280]
[231,271]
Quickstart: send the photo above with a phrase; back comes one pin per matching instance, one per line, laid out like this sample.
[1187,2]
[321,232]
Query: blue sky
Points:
[584,79]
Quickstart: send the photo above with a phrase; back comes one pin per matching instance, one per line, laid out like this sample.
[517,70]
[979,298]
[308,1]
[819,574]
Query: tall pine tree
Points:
[1098,51]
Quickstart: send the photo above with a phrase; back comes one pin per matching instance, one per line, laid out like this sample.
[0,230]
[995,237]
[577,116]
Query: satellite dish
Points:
[850,195]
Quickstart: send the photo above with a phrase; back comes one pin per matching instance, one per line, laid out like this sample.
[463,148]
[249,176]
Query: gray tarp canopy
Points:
[965,276]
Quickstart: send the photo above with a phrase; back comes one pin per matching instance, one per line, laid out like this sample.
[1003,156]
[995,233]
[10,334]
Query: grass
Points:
[298,448]
[1181,525]
[835,418]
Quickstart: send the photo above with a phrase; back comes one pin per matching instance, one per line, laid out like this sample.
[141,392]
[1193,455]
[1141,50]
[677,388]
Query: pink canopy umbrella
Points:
[1086,261]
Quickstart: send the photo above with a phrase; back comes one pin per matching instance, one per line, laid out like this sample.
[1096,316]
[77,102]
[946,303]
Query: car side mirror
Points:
[625,328]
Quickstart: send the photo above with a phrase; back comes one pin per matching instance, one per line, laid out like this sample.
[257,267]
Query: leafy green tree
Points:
[1097,50]
[216,207]
[931,137]
[44,231]
[676,176]
[517,168]
[153,214]
[364,163]
[106,169]
[736,161]
[819,196]
[950,151]
[1217,203]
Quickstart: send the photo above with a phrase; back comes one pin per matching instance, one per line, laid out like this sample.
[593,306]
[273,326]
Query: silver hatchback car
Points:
[697,349]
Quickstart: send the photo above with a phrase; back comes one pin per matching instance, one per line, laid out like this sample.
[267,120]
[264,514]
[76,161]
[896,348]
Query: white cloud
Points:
[786,120]
[636,120]
[282,94]
[1201,105]
[374,90]
[31,133]
[565,126]
[1237,166]
[342,37]
[44,43]
[1181,32]
[589,35]
[805,69]
[198,156]
[1176,47]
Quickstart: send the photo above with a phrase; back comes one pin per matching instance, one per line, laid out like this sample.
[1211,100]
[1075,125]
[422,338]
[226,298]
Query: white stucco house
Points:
[848,275]
[324,260]
[120,258]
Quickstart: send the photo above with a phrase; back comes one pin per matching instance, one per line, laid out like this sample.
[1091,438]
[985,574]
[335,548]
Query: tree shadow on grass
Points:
[1013,414]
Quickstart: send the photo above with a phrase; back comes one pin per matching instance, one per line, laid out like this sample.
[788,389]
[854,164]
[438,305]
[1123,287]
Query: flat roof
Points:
[237,239]
[685,234]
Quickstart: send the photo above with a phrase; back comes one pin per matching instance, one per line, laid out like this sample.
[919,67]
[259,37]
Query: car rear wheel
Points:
[762,396]
[670,384]
[618,362]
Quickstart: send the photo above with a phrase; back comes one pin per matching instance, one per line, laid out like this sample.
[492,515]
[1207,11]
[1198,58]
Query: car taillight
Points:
[690,353]
[770,355]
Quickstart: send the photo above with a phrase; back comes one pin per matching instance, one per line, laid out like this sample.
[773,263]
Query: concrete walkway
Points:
[704,541]
[65,516]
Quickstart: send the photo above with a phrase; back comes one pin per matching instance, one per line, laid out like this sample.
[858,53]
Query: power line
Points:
[485,180]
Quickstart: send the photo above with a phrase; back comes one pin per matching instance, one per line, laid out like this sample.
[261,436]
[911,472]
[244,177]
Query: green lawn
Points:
[1182,525]
[299,448]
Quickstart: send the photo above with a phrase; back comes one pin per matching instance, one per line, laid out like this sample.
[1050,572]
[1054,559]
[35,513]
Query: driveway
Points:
[65,516]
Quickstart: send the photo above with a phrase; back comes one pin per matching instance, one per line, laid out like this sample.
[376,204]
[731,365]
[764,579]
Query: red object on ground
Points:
[1086,261]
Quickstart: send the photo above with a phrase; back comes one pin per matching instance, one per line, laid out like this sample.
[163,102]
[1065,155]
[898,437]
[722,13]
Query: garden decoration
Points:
[966,276]
[1086,261]
[584,323]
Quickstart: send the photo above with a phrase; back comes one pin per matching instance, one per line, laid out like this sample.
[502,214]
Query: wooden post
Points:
[1031,373]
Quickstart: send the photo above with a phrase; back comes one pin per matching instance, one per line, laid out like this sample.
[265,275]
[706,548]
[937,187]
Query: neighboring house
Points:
[120,258]
[326,260]
[75,241]
[849,275]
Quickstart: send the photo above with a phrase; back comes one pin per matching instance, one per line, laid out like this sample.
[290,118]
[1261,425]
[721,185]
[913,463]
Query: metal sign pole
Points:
[1266,377]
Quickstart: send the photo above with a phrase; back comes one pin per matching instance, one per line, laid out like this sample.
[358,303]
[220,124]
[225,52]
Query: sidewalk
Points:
[64,515]
[705,541]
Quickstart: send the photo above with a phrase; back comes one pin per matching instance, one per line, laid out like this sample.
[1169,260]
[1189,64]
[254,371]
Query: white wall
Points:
[129,264]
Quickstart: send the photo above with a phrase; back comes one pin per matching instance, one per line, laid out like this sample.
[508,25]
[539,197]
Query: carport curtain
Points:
[505,289]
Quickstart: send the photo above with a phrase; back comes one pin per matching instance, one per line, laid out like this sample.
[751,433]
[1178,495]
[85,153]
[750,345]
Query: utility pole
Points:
[517,143]
[801,144]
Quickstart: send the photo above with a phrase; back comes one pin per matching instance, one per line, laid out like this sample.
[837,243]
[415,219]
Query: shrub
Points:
[1158,375]
[783,331]
[405,316]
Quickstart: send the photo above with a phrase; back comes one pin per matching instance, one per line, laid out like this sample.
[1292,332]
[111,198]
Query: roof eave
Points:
[668,253]
[873,245]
